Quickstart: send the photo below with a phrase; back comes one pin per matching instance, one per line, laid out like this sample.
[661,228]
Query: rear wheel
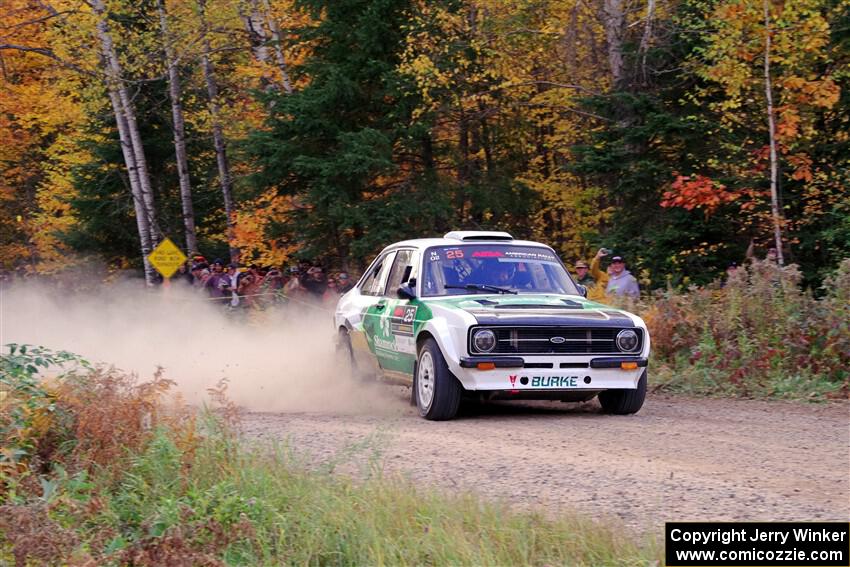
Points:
[622,402]
[436,389]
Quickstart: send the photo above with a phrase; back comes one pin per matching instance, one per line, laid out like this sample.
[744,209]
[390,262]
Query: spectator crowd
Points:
[256,287]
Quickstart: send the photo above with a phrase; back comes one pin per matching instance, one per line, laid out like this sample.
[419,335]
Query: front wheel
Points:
[622,402]
[436,389]
[345,355]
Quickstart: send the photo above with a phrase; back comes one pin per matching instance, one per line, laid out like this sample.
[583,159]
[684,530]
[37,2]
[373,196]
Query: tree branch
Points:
[46,53]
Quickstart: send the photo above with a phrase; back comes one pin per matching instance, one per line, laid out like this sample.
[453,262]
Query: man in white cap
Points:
[620,280]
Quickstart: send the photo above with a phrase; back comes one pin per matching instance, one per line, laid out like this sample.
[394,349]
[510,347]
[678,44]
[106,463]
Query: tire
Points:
[345,356]
[623,402]
[413,385]
[436,389]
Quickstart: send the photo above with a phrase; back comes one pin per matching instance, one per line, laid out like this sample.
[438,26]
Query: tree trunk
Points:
[771,125]
[253,21]
[278,48]
[131,148]
[179,132]
[613,20]
[116,75]
[218,134]
[647,37]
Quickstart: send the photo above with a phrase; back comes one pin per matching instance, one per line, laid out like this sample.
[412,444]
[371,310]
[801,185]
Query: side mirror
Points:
[406,291]
[582,290]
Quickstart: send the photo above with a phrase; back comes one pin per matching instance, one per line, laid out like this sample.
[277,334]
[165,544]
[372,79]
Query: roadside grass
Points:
[757,336]
[97,469]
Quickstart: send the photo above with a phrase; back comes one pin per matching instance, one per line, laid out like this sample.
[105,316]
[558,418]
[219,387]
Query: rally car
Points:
[479,314]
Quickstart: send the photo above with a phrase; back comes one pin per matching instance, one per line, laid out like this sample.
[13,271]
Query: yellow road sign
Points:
[166,258]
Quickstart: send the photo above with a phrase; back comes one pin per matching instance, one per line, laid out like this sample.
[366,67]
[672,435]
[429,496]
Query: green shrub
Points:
[759,335]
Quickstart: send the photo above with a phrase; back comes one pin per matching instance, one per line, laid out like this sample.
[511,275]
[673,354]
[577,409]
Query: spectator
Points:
[184,275]
[273,280]
[217,284]
[233,275]
[293,286]
[732,269]
[331,294]
[200,273]
[272,287]
[583,276]
[772,255]
[620,280]
[315,283]
[249,288]
[344,283]
[596,291]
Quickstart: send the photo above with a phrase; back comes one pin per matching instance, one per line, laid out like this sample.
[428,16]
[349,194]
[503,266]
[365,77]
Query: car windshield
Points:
[493,268]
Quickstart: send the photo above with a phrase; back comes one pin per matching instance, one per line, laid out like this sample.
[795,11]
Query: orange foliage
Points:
[254,222]
[697,192]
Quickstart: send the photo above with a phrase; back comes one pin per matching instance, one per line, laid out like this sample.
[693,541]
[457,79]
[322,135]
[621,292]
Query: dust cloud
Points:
[278,360]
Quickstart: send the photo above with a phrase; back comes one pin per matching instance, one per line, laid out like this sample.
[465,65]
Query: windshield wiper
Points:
[482,287]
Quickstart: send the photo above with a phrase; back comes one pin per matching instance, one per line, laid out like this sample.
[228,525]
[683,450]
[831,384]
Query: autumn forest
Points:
[682,134]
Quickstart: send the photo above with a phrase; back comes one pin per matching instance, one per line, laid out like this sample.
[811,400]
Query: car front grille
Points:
[555,340]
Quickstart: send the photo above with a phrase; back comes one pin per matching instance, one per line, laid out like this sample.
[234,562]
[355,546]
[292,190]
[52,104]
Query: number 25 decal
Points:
[451,254]
[409,315]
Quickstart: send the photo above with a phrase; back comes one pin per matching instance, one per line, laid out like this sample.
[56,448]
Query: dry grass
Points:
[105,473]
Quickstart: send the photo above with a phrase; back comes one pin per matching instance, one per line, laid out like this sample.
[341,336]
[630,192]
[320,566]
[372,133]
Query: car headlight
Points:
[484,340]
[627,340]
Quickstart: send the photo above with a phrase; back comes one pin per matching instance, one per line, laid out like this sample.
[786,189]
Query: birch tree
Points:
[614,20]
[131,141]
[277,44]
[179,132]
[771,123]
[217,131]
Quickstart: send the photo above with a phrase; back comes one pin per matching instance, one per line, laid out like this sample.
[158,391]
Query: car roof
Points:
[463,238]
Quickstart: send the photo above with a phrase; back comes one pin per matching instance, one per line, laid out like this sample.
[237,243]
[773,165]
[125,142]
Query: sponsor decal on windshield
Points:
[531,255]
[488,254]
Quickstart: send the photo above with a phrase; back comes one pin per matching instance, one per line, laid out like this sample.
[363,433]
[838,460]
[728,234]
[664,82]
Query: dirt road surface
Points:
[678,459]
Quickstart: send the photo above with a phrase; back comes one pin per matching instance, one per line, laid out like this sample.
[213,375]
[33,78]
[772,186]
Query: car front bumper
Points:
[540,373]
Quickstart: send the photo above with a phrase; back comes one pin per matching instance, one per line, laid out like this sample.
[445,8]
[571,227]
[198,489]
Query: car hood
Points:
[558,310]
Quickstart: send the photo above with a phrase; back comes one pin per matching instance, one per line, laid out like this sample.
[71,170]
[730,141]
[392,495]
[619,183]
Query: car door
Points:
[368,293]
[373,288]
[395,346]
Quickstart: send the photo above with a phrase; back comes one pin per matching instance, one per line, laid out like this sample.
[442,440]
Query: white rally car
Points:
[481,314]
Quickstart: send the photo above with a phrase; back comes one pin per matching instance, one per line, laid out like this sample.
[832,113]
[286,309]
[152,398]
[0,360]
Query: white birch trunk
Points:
[771,125]
[179,132]
[613,20]
[278,48]
[647,36]
[218,134]
[254,26]
[136,167]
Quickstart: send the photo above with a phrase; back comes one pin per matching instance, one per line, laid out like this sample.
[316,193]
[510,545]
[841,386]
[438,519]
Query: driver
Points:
[502,274]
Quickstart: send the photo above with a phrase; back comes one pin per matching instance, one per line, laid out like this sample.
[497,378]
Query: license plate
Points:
[545,382]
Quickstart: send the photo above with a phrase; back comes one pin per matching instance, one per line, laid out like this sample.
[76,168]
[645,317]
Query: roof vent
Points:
[479,235]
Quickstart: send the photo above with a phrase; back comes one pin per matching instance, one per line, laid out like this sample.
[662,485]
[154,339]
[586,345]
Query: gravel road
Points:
[678,459]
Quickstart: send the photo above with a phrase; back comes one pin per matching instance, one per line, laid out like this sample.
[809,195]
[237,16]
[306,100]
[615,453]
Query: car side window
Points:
[373,283]
[404,268]
[369,279]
